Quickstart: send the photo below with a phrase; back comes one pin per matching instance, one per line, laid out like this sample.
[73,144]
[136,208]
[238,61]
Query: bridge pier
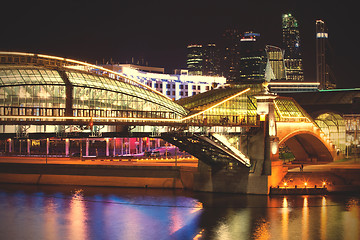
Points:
[266,170]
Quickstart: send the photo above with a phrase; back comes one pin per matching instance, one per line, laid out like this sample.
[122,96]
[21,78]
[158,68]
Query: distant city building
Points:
[203,59]
[175,86]
[324,75]
[252,62]
[230,54]
[275,63]
[291,44]
[211,60]
[194,59]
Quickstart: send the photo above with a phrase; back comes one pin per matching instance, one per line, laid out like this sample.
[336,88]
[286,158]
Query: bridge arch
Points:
[308,146]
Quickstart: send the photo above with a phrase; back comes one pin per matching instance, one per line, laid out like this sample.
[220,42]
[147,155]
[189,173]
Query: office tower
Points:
[211,60]
[252,62]
[194,59]
[324,74]
[275,63]
[291,45]
[230,54]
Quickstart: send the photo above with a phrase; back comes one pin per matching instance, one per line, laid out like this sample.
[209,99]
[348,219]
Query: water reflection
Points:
[111,213]
[77,216]
[323,219]
[285,219]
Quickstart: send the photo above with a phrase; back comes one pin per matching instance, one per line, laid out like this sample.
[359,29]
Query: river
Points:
[69,212]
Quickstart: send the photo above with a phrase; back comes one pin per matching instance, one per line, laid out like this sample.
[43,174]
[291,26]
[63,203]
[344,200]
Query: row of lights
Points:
[305,184]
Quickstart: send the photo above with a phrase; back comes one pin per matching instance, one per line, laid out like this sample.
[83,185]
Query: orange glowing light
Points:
[285,184]
[305,184]
[262,117]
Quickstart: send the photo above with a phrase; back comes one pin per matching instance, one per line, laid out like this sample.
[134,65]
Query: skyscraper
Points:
[203,59]
[194,59]
[324,74]
[252,62]
[230,54]
[291,45]
[211,60]
[275,63]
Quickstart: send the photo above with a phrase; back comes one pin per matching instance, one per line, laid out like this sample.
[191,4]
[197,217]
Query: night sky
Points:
[159,31]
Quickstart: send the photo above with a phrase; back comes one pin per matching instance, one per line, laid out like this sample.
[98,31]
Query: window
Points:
[167,86]
[181,86]
[194,87]
[198,87]
[186,86]
[207,88]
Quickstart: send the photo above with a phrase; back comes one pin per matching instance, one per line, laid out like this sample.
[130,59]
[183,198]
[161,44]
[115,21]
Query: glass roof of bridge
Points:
[17,75]
[25,75]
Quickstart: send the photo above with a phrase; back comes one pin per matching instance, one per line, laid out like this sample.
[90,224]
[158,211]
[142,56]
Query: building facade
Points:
[292,48]
[175,86]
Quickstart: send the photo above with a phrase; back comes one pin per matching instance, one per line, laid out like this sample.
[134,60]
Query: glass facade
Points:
[194,59]
[275,58]
[224,106]
[31,91]
[333,126]
[41,91]
[97,92]
[286,109]
[291,44]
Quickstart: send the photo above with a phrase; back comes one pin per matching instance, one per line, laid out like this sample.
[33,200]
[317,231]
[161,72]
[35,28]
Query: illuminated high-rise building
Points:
[203,59]
[194,59]
[291,45]
[275,63]
[324,74]
[252,62]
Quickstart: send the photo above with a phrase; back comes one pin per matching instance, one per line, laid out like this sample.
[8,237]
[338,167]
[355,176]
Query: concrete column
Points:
[87,148]
[28,146]
[107,147]
[67,146]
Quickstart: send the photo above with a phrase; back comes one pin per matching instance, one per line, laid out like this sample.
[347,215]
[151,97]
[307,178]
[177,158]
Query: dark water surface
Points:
[58,212]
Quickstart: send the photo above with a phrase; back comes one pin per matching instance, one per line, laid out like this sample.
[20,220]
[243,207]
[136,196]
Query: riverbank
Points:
[342,176]
[97,175]
[338,176]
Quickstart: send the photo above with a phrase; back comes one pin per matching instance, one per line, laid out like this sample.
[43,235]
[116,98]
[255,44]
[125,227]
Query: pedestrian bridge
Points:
[45,96]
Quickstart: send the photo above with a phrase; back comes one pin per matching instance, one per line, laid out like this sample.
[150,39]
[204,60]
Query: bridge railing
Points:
[29,114]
